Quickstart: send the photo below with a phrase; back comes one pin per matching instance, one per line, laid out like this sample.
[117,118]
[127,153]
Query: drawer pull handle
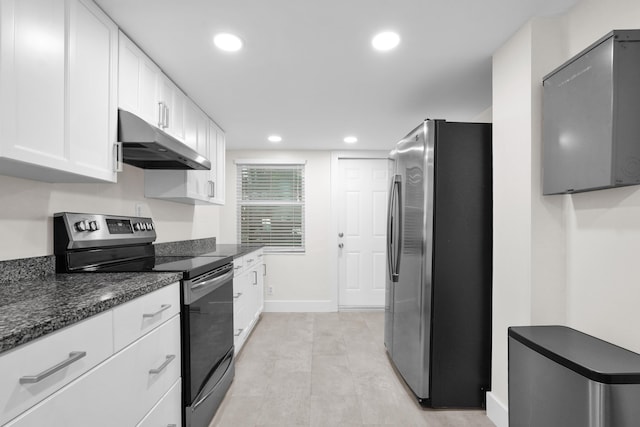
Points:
[239,332]
[73,356]
[164,364]
[238,295]
[163,307]
[172,425]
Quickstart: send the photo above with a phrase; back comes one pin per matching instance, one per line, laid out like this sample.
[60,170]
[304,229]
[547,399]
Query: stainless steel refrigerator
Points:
[439,243]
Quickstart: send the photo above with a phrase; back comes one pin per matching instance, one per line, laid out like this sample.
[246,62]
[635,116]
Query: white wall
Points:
[300,282]
[26,209]
[557,259]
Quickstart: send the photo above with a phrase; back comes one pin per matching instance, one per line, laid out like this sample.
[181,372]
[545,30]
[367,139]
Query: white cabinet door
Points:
[217,150]
[167,411]
[191,124]
[57,83]
[92,110]
[172,100]
[138,88]
[32,73]
[248,294]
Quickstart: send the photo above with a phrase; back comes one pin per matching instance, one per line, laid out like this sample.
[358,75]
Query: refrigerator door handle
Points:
[400,226]
[390,211]
[394,226]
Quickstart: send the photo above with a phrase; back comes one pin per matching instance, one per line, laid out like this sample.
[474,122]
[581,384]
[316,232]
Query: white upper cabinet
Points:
[217,150]
[138,83]
[194,187]
[172,102]
[58,63]
[92,118]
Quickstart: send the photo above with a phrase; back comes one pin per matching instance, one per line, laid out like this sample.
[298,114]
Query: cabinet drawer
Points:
[253,258]
[62,349]
[238,265]
[101,399]
[167,412]
[139,316]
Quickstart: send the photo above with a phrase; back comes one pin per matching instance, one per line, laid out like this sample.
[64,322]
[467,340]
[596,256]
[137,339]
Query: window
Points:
[271,205]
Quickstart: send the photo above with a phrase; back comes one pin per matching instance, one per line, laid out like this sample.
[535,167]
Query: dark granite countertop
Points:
[34,301]
[33,307]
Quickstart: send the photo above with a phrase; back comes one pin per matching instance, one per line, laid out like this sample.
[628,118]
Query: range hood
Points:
[148,147]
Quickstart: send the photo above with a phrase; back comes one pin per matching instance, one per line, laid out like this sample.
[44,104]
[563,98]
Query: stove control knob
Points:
[137,226]
[149,226]
[81,225]
[93,226]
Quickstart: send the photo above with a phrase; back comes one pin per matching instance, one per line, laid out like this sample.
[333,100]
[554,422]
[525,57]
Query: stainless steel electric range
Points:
[111,243]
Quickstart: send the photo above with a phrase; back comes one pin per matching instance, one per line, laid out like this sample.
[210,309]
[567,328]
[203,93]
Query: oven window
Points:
[210,333]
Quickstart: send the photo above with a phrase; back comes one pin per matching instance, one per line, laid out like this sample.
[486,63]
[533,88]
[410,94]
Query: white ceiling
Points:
[308,72]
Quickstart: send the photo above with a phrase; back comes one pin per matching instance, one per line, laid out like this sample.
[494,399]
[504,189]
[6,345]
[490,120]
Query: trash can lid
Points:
[589,356]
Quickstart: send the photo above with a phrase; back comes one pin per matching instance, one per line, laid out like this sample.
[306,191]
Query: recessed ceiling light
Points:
[350,139]
[386,40]
[275,138]
[227,42]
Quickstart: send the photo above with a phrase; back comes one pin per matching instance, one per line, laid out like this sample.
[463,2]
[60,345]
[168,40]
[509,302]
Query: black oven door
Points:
[207,336]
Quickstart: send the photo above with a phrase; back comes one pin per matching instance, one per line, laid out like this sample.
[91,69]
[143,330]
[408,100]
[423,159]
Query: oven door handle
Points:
[195,290]
[211,283]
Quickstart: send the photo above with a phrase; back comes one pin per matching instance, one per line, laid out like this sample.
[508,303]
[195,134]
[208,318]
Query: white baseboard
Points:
[289,306]
[497,412]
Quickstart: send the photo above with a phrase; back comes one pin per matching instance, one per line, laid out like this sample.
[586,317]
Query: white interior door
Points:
[361,231]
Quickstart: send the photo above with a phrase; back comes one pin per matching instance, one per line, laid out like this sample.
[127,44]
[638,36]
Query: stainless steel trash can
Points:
[560,377]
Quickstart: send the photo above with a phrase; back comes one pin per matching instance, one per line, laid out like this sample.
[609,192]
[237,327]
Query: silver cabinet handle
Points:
[239,332]
[255,278]
[73,356]
[166,116]
[237,295]
[163,307]
[160,368]
[250,260]
[117,157]
[172,425]
[264,269]
[160,115]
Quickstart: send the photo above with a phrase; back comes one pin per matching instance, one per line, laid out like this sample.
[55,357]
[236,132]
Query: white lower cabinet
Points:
[136,381]
[23,379]
[248,295]
[119,392]
[167,411]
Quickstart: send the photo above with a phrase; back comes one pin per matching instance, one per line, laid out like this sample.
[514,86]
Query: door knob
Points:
[341,245]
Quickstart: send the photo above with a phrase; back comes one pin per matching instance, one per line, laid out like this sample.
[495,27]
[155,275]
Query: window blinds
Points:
[271,206]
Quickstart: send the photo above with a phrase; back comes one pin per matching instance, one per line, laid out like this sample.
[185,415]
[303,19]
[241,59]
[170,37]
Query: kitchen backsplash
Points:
[186,247]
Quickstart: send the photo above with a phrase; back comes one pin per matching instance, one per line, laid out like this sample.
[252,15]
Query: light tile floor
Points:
[325,369]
